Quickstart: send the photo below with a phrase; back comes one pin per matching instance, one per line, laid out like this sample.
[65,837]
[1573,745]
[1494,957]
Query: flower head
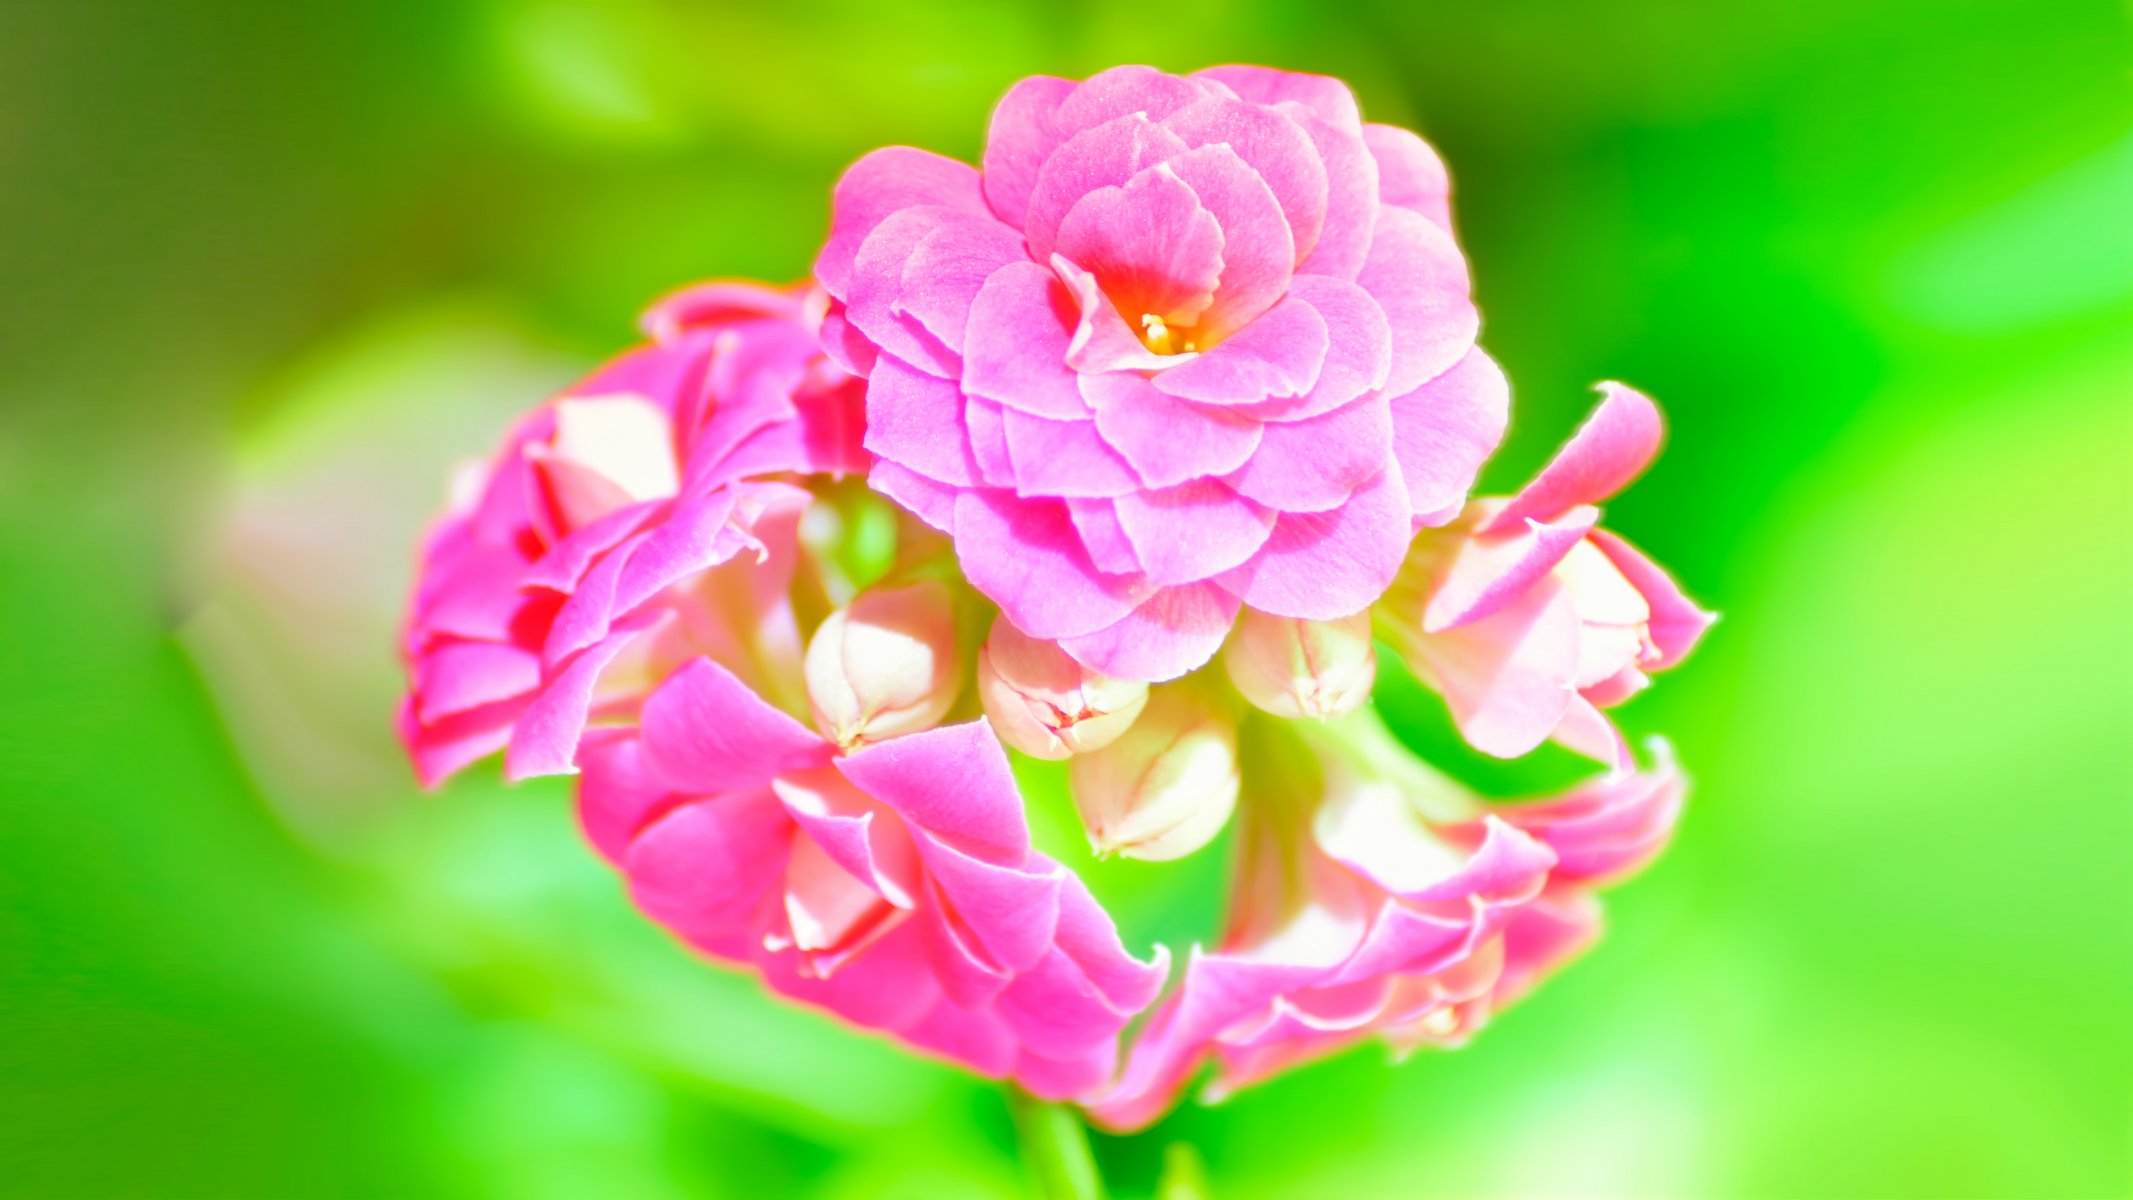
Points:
[1186,344]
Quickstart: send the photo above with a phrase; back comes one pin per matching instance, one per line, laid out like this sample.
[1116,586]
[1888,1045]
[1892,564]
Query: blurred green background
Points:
[265,273]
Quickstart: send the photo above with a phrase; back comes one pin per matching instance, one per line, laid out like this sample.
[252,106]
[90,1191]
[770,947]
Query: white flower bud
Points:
[884,665]
[1045,704]
[1166,787]
[1292,668]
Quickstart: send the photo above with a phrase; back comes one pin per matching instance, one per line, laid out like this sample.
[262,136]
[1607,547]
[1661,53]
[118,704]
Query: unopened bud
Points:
[1166,787]
[1045,704]
[884,665]
[1292,668]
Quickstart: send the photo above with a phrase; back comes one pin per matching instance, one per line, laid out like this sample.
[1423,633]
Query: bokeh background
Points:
[265,274]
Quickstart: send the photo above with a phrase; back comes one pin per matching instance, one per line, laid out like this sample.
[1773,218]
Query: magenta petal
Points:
[705,732]
[884,182]
[1410,175]
[1168,441]
[1507,677]
[1023,134]
[716,302]
[1258,248]
[1277,355]
[1417,276]
[1064,458]
[916,421]
[1105,156]
[616,794]
[1322,94]
[1445,430]
[1026,557]
[708,868]
[1612,447]
[929,500]
[1015,350]
[953,783]
[1052,1008]
[443,747]
[1314,465]
[1193,531]
[1490,572]
[1274,147]
[456,676]
[1087,934]
[1103,537]
[1156,251]
[1676,622]
[1322,566]
[545,739]
[1175,631]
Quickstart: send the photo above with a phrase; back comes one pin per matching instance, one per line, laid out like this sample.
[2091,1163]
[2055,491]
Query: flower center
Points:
[1161,338]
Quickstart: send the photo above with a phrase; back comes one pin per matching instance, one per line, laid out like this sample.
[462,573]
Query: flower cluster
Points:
[1184,371]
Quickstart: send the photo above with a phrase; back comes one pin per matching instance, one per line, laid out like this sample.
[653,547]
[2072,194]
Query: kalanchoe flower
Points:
[1045,704]
[602,542]
[1167,786]
[1302,669]
[894,886]
[1187,344]
[1376,899]
[1530,619]
[885,664]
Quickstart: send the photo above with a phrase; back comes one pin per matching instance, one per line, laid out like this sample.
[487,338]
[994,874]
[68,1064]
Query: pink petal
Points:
[1410,175]
[440,749]
[953,784]
[1506,677]
[1323,566]
[708,869]
[988,442]
[456,676]
[1007,912]
[1193,531]
[1277,355]
[1612,447]
[1087,935]
[1417,276]
[1064,458]
[943,275]
[1489,572]
[1316,464]
[1104,156]
[915,420]
[1359,349]
[616,794]
[884,182]
[1103,536]
[706,732]
[1121,91]
[1676,623]
[545,739]
[1274,147]
[1587,730]
[1322,94]
[1168,441]
[1175,631]
[1150,244]
[1444,430]
[1258,247]
[1102,340]
[1015,351]
[1026,557]
[929,500]
[716,302]
[842,821]
[874,299]
[1023,134]
[1351,197]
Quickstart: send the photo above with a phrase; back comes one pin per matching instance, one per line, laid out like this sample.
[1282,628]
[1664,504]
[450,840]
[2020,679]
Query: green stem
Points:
[1055,1145]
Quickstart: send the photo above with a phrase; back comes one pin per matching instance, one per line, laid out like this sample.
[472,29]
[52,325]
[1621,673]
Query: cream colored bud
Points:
[884,665]
[1292,668]
[1045,704]
[1166,787]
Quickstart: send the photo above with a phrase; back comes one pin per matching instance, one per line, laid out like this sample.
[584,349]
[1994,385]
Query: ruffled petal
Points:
[1015,350]
[1174,631]
[1416,274]
[1025,556]
[1314,465]
[706,732]
[1323,566]
[1024,132]
[1610,449]
[1167,441]
[1193,531]
[885,182]
[1444,430]
[1104,156]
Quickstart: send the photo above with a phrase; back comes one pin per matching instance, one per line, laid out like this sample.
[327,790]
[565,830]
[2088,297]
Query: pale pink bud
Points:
[1166,787]
[1293,668]
[884,665]
[1045,704]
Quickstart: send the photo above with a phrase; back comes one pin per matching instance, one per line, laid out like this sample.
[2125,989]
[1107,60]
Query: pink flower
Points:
[894,886]
[1186,344]
[576,566]
[1530,619]
[1386,904]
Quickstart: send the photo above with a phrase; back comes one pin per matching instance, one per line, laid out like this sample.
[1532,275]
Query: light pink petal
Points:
[842,822]
[1358,355]
[1603,829]
[884,182]
[1410,175]
[709,868]
[1676,622]
[1276,149]
[1323,566]
[929,500]
[988,442]
[1064,458]
[718,302]
[1023,134]
[1540,937]
[874,300]
[953,784]
[545,739]
[916,421]
[1507,677]
[1277,355]
[1322,94]
[1026,557]
[1351,197]
[1150,244]
[844,345]
[944,273]
[1065,1079]
[1015,352]
[1490,572]
[1168,441]
[1104,156]
[1587,730]
[953,1032]
[1444,430]
[1258,248]
[1616,688]
[1193,531]
[705,732]
[1612,447]
[701,535]
[1175,631]
[889,987]
[1121,91]
[1313,465]
[1416,274]
[1103,536]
